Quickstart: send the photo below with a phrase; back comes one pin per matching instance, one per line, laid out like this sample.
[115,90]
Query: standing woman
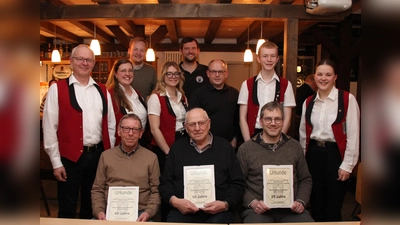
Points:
[167,107]
[125,98]
[329,133]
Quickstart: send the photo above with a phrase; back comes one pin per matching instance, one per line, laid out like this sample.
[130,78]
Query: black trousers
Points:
[327,192]
[200,217]
[80,177]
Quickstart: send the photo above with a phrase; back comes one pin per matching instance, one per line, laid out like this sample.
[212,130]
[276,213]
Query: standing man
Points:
[202,148]
[194,72]
[219,100]
[145,79]
[128,164]
[78,124]
[264,88]
[272,147]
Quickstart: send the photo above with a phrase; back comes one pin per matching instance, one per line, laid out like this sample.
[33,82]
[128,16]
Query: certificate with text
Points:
[278,186]
[199,184]
[123,203]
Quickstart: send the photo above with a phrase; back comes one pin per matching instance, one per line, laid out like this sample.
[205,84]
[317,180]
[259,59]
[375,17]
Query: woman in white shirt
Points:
[329,134]
[167,107]
[125,98]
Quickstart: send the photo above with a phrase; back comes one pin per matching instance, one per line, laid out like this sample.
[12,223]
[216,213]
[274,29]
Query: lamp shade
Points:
[259,43]
[55,56]
[150,55]
[248,55]
[95,46]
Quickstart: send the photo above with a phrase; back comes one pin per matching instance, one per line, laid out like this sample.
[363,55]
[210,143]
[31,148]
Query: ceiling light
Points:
[150,55]
[95,44]
[261,40]
[55,55]
[248,55]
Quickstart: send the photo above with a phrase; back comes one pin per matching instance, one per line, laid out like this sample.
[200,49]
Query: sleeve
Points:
[99,188]
[302,128]
[153,105]
[236,127]
[237,183]
[247,196]
[304,180]
[289,96]
[353,136]
[111,120]
[166,187]
[50,127]
[154,201]
[243,94]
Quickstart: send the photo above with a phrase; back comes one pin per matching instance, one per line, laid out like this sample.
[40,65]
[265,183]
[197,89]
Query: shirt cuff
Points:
[249,205]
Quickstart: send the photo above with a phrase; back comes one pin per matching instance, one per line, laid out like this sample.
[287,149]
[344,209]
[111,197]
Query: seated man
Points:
[202,148]
[128,164]
[272,147]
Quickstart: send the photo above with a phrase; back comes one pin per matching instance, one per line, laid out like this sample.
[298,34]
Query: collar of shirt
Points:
[192,143]
[258,139]
[259,77]
[128,153]
[178,93]
[211,87]
[138,67]
[73,80]
[332,95]
[183,69]
[134,94]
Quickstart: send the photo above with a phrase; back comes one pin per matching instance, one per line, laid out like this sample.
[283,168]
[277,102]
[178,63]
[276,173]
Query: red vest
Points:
[252,101]
[338,127]
[167,121]
[70,121]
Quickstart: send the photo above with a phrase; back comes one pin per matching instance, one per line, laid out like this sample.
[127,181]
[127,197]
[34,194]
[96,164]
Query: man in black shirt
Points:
[307,89]
[219,100]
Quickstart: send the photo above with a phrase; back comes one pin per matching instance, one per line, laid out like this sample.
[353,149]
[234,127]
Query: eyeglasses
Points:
[268,120]
[171,74]
[81,60]
[215,72]
[128,129]
[201,124]
[125,70]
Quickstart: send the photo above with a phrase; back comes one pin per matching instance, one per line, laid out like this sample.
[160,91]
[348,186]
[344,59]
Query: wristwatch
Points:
[226,205]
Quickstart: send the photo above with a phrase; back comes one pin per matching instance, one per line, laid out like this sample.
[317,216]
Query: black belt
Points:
[324,144]
[93,148]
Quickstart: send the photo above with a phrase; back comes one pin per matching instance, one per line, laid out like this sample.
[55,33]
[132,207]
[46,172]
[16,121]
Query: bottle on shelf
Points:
[61,50]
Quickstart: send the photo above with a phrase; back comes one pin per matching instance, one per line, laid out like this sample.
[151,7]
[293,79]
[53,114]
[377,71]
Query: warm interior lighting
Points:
[55,55]
[248,55]
[150,55]
[95,44]
[261,40]
[299,69]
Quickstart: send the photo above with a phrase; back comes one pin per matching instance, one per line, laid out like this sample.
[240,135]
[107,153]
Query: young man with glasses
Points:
[128,164]
[272,147]
[201,148]
[219,100]
[78,124]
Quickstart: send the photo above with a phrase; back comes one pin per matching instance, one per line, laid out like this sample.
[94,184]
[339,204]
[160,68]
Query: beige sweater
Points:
[117,169]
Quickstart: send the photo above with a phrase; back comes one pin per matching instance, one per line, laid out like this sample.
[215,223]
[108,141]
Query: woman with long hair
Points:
[125,98]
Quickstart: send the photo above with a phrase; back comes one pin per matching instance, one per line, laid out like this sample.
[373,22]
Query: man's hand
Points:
[259,207]
[144,217]
[234,143]
[297,207]
[214,207]
[183,205]
[60,174]
[343,175]
[101,216]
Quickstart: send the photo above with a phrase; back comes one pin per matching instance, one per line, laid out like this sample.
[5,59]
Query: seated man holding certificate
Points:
[202,179]
[127,178]
[276,173]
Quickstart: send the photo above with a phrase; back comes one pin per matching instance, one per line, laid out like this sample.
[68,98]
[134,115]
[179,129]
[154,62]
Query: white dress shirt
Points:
[265,94]
[137,106]
[323,115]
[154,108]
[90,101]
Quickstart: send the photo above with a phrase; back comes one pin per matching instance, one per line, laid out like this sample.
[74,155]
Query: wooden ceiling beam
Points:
[207,47]
[120,35]
[212,30]
[60,32]
[158,35]
[44,39]
[139,31]
[181,11]
[242,39]
[89,28]
[128,25]
[172,30]
[326,41]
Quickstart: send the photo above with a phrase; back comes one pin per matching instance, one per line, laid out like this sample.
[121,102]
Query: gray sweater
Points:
[252,155]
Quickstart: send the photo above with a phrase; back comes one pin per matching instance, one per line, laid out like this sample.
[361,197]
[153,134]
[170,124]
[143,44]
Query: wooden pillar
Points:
[344,61]
[290,48]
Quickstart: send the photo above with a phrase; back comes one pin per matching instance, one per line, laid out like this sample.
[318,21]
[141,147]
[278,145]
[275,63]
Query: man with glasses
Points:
[201,148]
[128,164]
[219,100]
[78,124]
[272,147]
[194,72]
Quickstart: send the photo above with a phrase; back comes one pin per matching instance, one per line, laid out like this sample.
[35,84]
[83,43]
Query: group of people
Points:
[152,128]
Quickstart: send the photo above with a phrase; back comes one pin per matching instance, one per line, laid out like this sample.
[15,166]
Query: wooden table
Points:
[56,221]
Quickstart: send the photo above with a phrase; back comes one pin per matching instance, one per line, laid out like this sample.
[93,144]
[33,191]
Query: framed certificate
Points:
[122,203]
[278,186]
[199,184]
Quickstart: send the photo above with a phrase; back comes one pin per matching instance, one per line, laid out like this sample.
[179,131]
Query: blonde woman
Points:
[167,107]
